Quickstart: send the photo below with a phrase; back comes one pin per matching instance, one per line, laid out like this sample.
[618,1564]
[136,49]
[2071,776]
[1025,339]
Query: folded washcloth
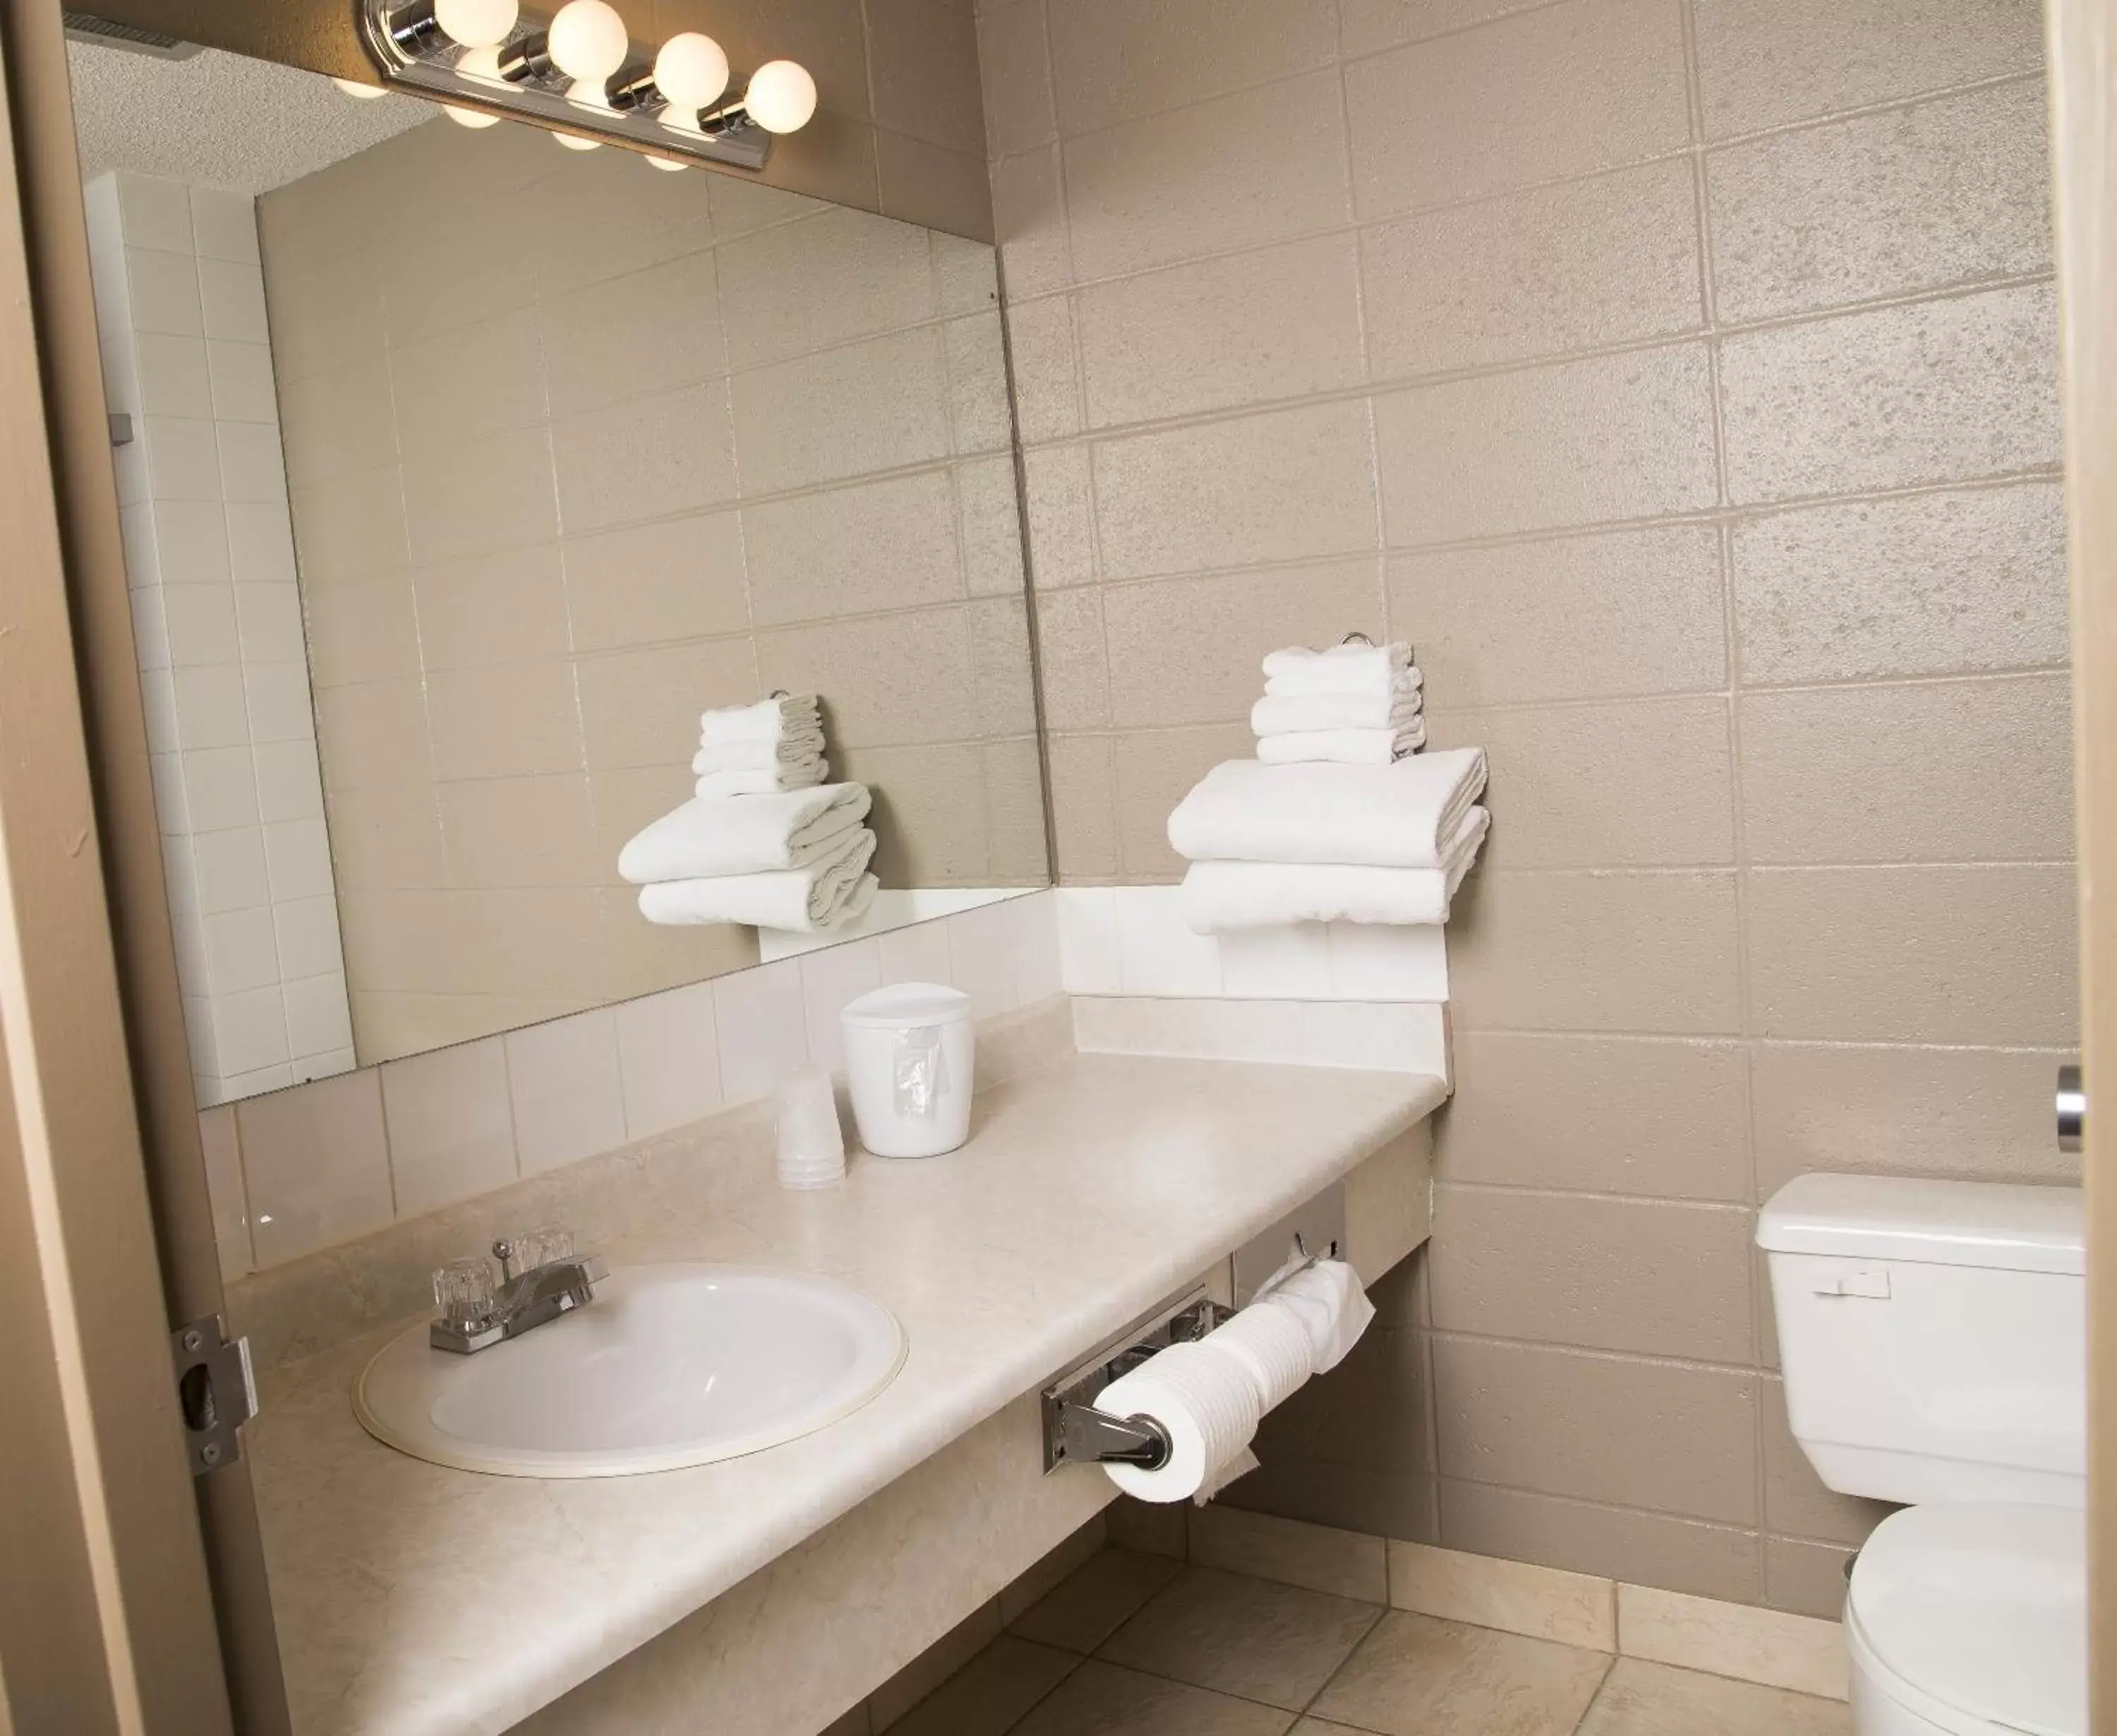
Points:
[835,888]
[762,780]
[745,834]
[767,720]
[1344,746]
[758,753]
[1289,714]
[1217,897]
[1341,669]
[1397,816]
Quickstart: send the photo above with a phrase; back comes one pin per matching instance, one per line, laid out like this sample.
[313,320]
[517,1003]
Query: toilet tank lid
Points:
[1935,1223]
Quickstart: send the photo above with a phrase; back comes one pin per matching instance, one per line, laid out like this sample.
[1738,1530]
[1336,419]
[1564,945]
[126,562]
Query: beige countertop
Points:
[414,1601]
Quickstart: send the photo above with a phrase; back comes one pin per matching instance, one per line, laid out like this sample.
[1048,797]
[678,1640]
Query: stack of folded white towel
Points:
[764,841]
[1274,844]
[1356,704]
[776,744]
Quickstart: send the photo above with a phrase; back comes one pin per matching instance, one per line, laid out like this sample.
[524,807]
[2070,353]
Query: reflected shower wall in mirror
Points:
[464,473]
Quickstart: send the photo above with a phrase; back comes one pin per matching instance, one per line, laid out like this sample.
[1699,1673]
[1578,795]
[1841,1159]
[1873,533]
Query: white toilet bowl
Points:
[1970,1620]
[1932,1337]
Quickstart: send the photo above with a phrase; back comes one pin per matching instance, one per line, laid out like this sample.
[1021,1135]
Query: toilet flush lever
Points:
[1875,1285]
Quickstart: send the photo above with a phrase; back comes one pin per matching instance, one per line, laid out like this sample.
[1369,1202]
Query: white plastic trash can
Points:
[910,1053]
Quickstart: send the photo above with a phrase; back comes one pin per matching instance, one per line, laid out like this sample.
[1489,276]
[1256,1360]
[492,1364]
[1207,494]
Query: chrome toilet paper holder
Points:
[1076,1433]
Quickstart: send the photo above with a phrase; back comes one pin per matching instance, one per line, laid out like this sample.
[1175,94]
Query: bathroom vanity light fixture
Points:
[580,70]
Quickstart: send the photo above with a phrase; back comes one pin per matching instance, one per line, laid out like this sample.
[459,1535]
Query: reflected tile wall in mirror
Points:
[477,473]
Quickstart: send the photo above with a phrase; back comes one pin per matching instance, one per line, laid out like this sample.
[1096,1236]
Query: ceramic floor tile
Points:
[1095,1600]
[989,1694]
[1417,1676]
[1323,1727]
[1102,1699]
[1240,1636]
[1643,1699]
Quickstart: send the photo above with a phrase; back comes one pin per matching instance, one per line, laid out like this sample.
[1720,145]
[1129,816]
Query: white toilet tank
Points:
[1933,1335]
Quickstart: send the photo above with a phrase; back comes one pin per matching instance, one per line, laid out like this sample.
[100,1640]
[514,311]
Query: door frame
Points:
[99,1148]
[2081,43]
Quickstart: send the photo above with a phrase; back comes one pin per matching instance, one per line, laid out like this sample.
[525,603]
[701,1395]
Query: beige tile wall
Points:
[1678,376]
[578,449]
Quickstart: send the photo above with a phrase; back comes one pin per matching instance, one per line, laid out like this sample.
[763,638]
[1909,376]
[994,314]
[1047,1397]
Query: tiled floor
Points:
[1135,1645]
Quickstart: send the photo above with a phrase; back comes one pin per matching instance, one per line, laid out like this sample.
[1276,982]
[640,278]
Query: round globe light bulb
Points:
[573,142]
[474,118]
[782,96]
[354,88]
[476,23]
[664,163]
[587,41]
[482,63]
[691,71]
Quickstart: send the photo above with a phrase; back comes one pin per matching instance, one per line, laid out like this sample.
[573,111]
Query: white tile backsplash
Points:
[451,1124]
[1157,951]
[668,1052]
[224,1192]
[764,1028]
[982,956]
[568,1094]
[830,976]
[1289,962]
[315,1162]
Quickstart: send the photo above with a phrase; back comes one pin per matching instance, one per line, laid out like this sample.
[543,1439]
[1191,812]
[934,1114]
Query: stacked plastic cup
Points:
[812,1145]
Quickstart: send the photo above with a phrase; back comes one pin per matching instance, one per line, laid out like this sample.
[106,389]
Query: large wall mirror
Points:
[461,472]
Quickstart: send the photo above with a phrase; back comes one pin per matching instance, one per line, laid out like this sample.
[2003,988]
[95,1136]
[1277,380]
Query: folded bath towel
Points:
[1286,714]
[1217,897]
[745,834]
[758,755]
[764,780]
[1397,816]
[1341,669]
[767,720]
[834,889]
[1344,746]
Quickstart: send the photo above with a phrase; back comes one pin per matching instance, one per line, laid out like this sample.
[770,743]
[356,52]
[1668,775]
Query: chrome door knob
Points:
[2072,1109]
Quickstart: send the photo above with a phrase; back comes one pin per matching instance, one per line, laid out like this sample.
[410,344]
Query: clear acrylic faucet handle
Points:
[464,1290]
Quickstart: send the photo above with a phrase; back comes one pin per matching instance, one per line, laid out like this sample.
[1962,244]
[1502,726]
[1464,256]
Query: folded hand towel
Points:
[1217,897]
[1341,669]
[804,775]
[745,834]
[767,719]
[1344,746]
[832,890]
[1397,816]
[1284,714]
[758,753]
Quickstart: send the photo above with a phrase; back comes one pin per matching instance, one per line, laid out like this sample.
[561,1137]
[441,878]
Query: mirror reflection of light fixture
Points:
[476,119]
[358,91]
[580,70]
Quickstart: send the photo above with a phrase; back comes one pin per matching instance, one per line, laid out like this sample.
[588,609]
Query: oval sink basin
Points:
[669,1366]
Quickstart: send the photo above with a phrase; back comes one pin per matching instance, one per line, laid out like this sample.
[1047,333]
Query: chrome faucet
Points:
[542,1277]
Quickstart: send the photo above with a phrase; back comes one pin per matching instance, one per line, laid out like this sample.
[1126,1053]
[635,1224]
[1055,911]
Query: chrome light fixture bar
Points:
[580,69]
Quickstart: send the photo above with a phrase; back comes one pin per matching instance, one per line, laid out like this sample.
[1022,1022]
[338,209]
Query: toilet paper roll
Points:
[1272,1345]
[1327,1298]
[1207,1403]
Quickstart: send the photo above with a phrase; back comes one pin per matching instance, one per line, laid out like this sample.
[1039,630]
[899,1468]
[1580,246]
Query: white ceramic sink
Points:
[669,1366]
